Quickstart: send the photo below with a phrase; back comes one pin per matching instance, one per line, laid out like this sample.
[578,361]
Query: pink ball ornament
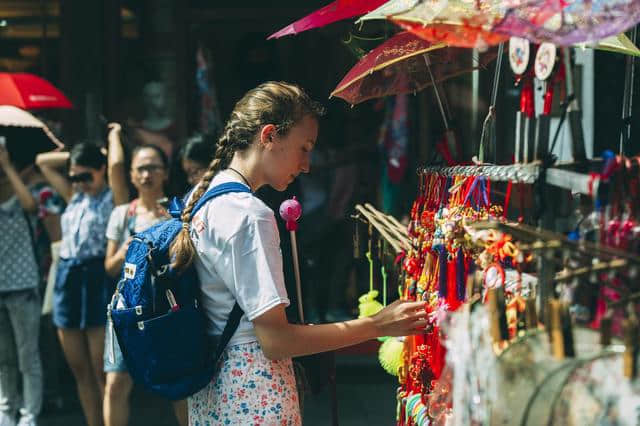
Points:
[290,211]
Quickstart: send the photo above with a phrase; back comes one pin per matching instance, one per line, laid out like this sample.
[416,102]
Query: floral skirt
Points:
[249,389]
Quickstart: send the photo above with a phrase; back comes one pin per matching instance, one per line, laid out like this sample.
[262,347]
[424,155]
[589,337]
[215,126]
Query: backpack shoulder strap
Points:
[223,188]
[129,222]
[229,329]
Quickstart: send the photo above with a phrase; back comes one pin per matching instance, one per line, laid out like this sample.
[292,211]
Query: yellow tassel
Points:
[390,355]
[368,304]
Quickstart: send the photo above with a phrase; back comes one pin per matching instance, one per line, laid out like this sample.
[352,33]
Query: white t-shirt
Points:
[118,226]
[238,259]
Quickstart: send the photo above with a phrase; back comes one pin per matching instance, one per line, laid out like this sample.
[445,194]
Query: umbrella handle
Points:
[436,91]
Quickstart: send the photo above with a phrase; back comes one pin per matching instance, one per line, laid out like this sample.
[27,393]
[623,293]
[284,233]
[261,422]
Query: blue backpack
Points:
[156,316]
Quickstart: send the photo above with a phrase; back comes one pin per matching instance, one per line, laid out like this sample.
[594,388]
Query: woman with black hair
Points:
[148,174]
[195,157]
[80,292]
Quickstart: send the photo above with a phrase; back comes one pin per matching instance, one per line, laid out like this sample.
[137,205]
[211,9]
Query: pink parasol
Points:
[333,12]
[402,65]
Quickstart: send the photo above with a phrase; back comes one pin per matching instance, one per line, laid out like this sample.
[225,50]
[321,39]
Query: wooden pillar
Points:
[81,63]
[112,73]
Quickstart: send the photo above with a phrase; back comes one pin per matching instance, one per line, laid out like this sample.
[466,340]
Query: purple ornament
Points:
[290,211]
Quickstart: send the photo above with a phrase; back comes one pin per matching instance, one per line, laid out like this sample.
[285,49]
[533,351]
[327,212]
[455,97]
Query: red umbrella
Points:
[28,91]
[403,64]
[333,12]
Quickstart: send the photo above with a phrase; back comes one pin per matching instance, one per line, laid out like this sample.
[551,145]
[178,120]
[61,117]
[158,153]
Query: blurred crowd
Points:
[66,221]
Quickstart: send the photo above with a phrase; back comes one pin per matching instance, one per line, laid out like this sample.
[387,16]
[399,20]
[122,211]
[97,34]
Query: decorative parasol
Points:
[402,65]
[24,135]
[455,22]
[333,12]
[392,7]
[576,21]
[29,91]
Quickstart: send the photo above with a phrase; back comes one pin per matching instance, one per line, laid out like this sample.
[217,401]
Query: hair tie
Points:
[185,226]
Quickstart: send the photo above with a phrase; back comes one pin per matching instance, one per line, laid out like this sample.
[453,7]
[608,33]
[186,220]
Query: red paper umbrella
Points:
[28,91]
[402,65]
[333,12]
[455,22]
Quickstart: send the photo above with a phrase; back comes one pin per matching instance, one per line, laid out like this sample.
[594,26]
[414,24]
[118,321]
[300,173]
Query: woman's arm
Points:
[25,198]
[114,258]
[280,339]
[49,162]
[116,166]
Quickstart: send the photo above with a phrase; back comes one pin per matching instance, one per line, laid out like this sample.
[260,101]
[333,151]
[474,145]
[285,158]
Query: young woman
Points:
[149,173]
[234,244]
[80,292]
[195,157]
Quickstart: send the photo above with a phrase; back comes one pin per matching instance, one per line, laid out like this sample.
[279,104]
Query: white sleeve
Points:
[251,267]
[115,231]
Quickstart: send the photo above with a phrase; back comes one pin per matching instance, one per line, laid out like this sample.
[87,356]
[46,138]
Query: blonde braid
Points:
[182,250]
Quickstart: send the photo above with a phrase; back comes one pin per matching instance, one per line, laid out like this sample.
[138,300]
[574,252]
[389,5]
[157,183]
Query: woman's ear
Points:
[266,135]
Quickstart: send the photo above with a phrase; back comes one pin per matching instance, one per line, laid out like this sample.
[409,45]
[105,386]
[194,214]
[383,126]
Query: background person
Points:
[195,156]
[20,202]
[148,173]
[80,292]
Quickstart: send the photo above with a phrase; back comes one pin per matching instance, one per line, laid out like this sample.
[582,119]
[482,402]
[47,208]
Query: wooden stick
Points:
[397,245]
[390,221]
[392,226]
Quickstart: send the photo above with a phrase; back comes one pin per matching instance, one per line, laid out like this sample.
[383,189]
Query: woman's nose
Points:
[306,164]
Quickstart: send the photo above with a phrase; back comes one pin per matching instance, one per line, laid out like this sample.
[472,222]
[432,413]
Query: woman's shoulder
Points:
[242,205]
[120,210]
[232,215]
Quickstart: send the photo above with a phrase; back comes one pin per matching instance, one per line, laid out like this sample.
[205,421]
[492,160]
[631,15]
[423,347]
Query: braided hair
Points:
[278,103]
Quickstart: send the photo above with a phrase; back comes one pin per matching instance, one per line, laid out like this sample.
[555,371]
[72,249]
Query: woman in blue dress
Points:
[80,292]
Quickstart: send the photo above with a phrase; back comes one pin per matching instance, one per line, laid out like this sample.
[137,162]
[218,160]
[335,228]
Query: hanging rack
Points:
[526,232]
[522,173]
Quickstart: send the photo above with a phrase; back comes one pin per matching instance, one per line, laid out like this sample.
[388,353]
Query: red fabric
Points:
[548,99]
[526,97]
[467,34]
[28,91]
[452,289]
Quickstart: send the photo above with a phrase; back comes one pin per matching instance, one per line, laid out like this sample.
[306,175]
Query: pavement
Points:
[365,395]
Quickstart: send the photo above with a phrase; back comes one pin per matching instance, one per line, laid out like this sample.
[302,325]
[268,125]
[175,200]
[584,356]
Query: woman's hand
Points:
[115,256]
[117,176]
[114,127]
[122,251]
[401,318]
